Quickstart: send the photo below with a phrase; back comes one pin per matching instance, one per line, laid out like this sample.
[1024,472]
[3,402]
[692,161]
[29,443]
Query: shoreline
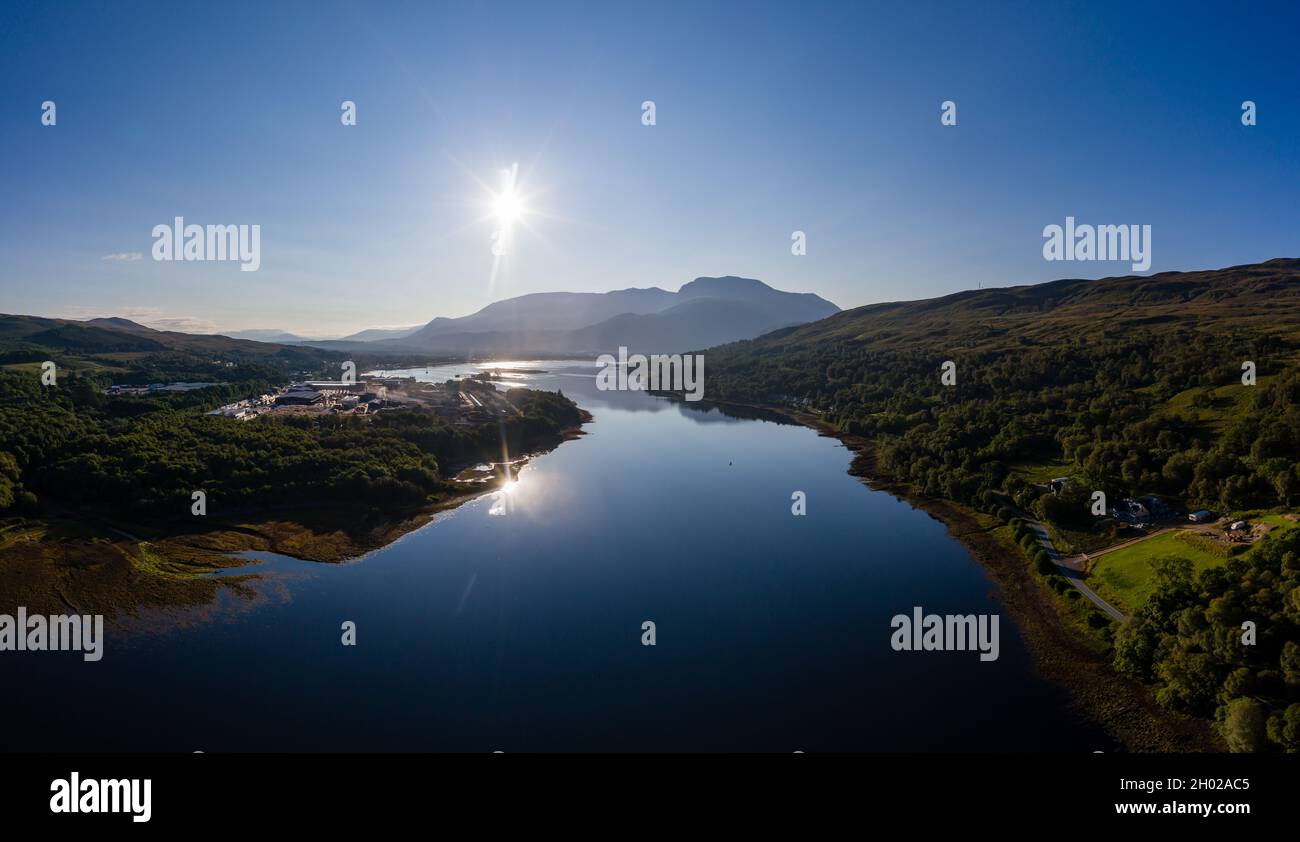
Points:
[168,567]
[343,546]
[1124,708]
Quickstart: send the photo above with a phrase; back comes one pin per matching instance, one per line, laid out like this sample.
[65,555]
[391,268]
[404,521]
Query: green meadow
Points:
[1125,578]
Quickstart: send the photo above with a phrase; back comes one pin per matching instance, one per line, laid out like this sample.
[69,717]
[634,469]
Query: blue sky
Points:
[771,118]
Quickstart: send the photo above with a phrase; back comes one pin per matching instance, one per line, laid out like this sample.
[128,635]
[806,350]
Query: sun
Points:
[508,207]
[505,211]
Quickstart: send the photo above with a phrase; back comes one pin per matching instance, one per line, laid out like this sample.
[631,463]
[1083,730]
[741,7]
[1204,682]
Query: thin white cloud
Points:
[181,324]
[148,316]
[123,256]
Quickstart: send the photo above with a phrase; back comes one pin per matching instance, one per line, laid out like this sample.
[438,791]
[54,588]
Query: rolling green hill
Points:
[118,350]
[111,335]
[1135,383]
[1264,297]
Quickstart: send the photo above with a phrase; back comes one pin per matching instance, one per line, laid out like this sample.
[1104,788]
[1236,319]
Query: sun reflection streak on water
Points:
[509,496]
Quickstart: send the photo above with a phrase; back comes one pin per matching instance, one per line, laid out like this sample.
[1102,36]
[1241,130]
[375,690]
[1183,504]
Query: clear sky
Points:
[771,118]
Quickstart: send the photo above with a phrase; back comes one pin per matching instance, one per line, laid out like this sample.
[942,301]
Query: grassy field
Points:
[1226,404]
[67,364]
[1279,522]
[1042,472]
[1125,577]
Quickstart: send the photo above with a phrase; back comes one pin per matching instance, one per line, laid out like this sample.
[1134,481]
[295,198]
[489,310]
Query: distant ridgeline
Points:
[1131,386]
[702,313]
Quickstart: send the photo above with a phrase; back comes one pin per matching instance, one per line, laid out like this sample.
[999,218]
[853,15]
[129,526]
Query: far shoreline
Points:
[343,546]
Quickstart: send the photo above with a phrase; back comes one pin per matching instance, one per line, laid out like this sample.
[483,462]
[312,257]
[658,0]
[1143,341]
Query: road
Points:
[1072,568]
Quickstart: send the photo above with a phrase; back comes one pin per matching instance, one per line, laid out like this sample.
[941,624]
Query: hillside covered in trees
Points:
[145,455]
[1131,386]
[1134,383]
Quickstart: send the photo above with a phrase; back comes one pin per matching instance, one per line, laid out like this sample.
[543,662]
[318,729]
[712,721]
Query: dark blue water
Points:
[514,622]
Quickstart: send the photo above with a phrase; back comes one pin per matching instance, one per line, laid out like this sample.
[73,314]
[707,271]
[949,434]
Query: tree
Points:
[1071,506]
[9,476]
[1243,726]
[1284,728]
[1190,681]
[1290,663]
[1135,646]
[1173,590]
[1286,485]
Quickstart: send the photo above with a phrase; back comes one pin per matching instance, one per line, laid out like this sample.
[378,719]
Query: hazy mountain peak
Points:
[730,284]
[704,312]
[264,335]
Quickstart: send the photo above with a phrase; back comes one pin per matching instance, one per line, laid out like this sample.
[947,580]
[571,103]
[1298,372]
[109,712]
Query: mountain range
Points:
[710,312]
[747,323]
[284,337]
[703,313]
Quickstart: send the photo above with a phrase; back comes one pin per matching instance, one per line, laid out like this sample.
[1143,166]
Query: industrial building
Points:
[300,397]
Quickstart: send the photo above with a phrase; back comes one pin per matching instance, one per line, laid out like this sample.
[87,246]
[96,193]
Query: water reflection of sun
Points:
[507,495]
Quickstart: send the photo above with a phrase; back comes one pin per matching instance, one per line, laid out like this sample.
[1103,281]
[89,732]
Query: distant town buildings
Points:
[337,387]
[460,402]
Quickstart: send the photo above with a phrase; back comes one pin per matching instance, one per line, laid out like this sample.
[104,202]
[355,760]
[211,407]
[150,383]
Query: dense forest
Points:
[1130,386]
[1101,408]
[146,454]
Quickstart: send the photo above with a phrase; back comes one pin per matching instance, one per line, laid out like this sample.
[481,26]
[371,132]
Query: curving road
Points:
[1072,568]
